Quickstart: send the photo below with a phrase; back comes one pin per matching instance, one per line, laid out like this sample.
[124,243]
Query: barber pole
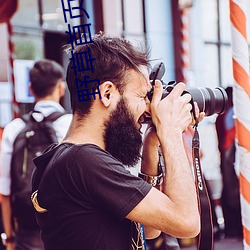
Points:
[241,95]
[185,65]
[185,60]
[11,69]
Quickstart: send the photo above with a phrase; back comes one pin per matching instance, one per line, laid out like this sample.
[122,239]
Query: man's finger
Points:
[157,93]
[178,90]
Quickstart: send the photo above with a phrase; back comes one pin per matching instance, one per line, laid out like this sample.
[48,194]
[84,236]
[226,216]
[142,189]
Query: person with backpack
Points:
[23,139]
[225,126]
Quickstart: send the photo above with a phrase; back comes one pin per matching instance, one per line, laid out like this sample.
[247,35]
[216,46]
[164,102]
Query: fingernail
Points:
[156,83]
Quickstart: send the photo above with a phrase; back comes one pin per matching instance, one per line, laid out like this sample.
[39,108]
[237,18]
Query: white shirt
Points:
[11,131]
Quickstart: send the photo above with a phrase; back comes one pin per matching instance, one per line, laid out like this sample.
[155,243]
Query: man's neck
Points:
[89,131]
[48,98]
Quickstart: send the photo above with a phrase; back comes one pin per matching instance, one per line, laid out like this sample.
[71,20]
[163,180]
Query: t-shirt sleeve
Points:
[10,133]
[107,183]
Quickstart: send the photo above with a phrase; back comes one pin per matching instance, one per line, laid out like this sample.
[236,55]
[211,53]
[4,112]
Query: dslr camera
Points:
[210,101]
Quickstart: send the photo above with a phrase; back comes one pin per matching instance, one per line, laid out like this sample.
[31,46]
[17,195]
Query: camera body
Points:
[210,101]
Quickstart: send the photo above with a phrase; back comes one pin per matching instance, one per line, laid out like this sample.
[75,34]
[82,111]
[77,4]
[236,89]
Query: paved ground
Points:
[223,244]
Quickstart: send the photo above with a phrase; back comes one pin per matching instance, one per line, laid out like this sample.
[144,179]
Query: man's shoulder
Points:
[80,150]
[93,154]
[18,122]
[78,156]
[88,157]
[64,120]
[89,150]
[97,158]
[13,128]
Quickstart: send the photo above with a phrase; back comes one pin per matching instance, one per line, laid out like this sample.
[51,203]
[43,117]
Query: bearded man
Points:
[84,196]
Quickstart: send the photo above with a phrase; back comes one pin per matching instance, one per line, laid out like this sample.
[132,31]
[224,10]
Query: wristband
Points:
[152,180]
[6,239]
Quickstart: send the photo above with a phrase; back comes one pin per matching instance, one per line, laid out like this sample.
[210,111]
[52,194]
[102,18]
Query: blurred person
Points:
[83,195]
[48,86]
[2,247]
[225,126]
[210,162]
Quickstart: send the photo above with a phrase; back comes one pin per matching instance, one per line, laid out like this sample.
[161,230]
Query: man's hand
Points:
[175,209]
[7,220]
[171,115]
[199,115]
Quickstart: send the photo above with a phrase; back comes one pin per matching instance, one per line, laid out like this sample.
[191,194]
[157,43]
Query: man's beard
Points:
[122,137]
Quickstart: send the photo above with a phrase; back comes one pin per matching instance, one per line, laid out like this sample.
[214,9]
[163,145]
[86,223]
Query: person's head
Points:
[121,70]
[46,80]
[114,57]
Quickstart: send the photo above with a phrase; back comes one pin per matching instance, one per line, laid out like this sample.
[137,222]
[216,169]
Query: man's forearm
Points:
[179,183]
[7,215]
[150,156]
[149,166]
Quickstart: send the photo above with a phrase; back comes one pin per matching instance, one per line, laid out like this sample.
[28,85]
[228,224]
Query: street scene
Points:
[124,124]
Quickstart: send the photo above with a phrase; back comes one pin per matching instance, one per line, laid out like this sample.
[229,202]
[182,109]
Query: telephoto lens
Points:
[210,101]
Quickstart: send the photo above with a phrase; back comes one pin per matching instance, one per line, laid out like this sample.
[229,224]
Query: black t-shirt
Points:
[88,194]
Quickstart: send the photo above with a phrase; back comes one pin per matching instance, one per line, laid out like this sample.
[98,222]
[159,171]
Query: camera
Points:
[210,101]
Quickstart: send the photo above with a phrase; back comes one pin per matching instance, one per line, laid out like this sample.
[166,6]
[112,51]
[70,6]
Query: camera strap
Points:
[205,238]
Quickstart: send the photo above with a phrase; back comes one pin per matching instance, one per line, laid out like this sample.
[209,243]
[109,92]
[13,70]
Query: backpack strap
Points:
[51,118]
[44,123]
[54,116]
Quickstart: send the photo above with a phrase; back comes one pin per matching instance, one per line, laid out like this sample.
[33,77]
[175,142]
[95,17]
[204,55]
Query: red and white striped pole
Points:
[185,65]
[185,55]
[241,95]
[11,70]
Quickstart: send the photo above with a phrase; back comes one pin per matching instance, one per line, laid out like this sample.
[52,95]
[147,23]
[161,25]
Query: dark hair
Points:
[113,57]
[44,76]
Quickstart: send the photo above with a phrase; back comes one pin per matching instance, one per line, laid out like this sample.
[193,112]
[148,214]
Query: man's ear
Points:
[62,87]
[107,90]
[31,90]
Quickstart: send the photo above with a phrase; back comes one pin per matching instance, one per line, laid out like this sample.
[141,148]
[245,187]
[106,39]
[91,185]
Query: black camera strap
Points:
[205,238]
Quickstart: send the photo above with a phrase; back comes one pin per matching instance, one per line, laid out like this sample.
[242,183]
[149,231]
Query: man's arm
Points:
[149,166]
[7,220]
[9,134]
[175,211]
